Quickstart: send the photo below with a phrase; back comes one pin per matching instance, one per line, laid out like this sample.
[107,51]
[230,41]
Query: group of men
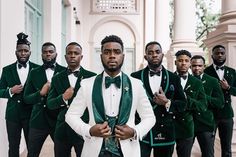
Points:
[112,114]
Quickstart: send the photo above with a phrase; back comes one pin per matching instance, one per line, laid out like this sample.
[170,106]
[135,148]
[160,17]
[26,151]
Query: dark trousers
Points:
[206,143]
[14,135]
[159,151]
[184,147]
[36,139]
[225,128]
[63,149]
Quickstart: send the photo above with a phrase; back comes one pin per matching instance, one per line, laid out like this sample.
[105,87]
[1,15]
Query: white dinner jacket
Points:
[92,145]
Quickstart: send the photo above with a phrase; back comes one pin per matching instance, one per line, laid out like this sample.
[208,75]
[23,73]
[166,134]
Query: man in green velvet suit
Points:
[35,93]
[63,89]
[204,121]
[196,101]
[227,80]
[12,85]
[166,96]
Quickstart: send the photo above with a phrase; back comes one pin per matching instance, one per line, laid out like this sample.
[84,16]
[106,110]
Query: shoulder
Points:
[210,78]
[33,65]
[60,67]
[136,74]
[231,70]
[86,73]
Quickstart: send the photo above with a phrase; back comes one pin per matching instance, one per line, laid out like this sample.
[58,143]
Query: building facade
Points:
[88,21]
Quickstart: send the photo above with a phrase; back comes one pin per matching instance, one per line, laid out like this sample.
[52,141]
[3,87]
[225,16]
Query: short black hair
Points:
[48,44]
[74,43]
[198,57]
[112,38]
[183,52]
[218,46]
[152,43]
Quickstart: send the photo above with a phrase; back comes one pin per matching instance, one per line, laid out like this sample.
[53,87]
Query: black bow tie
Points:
[110,80]
[152,73]
[75,73]
[183,76]
[21,65]
[218,67]
[47,66]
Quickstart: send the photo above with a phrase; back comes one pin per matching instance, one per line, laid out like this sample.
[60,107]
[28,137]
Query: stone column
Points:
[225,34]
[184,36]
[162,21]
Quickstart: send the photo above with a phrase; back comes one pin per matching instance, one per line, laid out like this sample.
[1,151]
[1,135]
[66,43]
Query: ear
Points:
[175,62]
[81,57]
[145,57]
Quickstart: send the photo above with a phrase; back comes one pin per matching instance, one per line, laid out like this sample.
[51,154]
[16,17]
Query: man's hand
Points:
[45,89]
[160,97]
[68,93]
[100,130]
[124,132]
[224,84]
[16,89]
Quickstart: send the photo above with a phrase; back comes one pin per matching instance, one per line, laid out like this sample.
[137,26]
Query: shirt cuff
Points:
[10,92]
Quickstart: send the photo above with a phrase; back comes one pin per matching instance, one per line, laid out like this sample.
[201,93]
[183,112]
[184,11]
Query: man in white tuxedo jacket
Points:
[112,99]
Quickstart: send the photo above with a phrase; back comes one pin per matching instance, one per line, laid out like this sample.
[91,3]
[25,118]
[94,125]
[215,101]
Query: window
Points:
[33,27]
[115,6]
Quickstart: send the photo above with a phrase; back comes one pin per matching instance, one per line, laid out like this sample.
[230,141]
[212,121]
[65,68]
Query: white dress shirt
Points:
[219,72]
[23,73]
[111,97]
[49,74]
[155,82]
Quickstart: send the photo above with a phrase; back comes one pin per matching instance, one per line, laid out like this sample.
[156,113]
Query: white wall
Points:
[11,23]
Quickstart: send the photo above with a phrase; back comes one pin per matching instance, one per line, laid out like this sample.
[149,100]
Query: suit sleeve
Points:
[55,99]
[232,89]
[145,112]
[216,99]
[4,87]
[197,102]
[31,94]
[75,112]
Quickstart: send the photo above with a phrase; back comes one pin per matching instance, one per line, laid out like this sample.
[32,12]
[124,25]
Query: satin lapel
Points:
[97,100]
[42,75]
[213,71]
[15,74]
[188,83]
[146,83]
[164,80]
[126,100]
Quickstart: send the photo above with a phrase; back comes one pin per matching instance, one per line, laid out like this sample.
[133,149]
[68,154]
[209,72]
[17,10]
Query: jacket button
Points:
[173,117]
[226,101]
[44,106]
[183,119]
[18,101]
[162,115]
[198,113]
[162,125]
[42,98]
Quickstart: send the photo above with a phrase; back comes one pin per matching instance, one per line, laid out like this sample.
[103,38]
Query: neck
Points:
[155,68]
[73,68]
[112,73]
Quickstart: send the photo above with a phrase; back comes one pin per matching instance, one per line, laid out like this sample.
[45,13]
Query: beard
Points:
[218,63]
[112,69]
[154,66]
[51,62]
[23,62]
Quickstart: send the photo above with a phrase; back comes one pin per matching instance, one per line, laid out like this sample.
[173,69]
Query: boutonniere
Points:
[204,81]
[126,89]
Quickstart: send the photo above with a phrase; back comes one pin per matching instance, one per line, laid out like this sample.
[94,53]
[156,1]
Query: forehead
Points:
[220,49]
[153,46]
[197,61]
[22,46]
[49,47]
[73,47]
[183,57]
[112,45]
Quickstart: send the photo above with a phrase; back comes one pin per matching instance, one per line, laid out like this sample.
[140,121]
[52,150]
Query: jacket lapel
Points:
[15,74]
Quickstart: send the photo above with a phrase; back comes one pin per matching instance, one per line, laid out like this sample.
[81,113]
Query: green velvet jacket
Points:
[17,109]
[40,116]
[230,75]
[163,133]
[55,101]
